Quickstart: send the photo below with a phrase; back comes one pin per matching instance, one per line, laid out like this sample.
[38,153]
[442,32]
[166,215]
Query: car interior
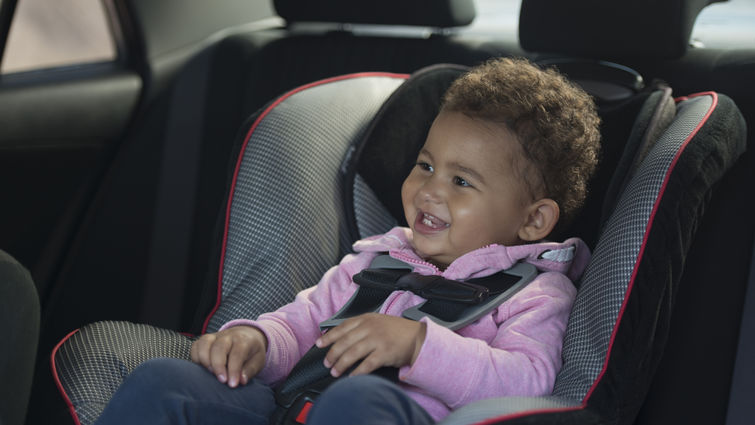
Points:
[149,199]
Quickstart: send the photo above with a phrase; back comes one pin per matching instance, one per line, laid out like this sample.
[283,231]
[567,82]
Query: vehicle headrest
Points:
[609,29]
[429,13]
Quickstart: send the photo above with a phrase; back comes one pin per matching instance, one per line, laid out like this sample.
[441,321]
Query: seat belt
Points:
[450,303]
[741,409]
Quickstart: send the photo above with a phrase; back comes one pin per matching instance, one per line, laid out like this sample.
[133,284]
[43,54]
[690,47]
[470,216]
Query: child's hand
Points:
[234,355]
[379,339]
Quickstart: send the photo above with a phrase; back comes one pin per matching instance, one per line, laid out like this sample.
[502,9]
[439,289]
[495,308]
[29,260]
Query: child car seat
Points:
[322,165]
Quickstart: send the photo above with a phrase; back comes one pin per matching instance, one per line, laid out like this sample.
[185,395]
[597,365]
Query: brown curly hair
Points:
[554,121]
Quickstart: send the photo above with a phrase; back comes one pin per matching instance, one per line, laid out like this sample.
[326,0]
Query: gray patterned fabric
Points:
[92,363]
[286,214]
[372,217]
[283,232]
[483,410]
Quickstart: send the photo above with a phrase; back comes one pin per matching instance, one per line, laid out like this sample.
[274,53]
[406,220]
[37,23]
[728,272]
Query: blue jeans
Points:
[178,392]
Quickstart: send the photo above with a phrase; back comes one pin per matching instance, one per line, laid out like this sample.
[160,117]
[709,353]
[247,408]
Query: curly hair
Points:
[555,122]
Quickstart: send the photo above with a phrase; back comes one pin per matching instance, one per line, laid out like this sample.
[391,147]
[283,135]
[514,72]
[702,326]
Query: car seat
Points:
[321,166]
[19,309]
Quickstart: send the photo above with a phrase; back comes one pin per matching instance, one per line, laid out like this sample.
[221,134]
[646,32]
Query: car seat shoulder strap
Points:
[450,303]
[380,281]
[455,304]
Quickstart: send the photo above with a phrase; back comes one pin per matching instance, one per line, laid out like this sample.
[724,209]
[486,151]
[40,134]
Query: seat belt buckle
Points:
[301,418]
[297,413]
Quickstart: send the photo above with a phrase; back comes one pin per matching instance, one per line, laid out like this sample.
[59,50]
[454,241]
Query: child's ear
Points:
[542,216]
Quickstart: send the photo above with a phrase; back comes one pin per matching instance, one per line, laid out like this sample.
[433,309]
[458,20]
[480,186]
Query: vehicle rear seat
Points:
[243,72]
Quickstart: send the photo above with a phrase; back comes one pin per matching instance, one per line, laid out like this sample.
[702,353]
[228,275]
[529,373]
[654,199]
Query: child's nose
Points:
[432,191]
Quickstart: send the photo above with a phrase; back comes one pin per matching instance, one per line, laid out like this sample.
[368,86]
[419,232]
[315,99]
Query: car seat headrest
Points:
[609,29]
[428,13]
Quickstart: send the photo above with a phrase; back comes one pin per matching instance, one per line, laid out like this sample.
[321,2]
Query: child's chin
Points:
[435,259]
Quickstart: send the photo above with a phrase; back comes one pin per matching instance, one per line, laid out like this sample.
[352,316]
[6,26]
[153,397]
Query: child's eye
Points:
[461,182]
[425,166]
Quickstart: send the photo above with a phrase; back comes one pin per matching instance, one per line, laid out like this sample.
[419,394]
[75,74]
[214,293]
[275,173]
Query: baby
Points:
[506,159]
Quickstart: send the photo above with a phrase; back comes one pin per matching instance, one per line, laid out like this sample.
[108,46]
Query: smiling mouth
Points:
[428,223]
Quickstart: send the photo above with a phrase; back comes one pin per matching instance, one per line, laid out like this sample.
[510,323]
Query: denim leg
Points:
[179,392]
[364,400]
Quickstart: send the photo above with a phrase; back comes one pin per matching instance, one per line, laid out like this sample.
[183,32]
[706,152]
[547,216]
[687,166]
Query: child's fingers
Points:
[240,351]
[219,357]
[245,360]
[371,362]
[347,351]
[338,332]
[200,350]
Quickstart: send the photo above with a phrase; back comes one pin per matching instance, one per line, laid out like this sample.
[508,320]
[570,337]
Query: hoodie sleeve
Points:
[521,358]
[292,330]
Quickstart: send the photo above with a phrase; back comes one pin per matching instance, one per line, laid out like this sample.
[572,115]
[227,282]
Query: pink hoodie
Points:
[513,351]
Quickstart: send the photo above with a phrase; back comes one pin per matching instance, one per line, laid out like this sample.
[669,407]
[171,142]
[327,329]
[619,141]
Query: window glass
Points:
[497,18]
[719,25]
[51,33]
[727,24]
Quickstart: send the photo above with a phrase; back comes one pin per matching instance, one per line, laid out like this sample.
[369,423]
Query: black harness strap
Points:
[450,303]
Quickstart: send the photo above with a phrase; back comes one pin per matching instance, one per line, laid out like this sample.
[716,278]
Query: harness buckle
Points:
[298,411]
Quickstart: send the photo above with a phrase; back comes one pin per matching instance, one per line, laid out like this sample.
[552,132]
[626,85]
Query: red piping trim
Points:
[71,409]
[241,157]
[681,149]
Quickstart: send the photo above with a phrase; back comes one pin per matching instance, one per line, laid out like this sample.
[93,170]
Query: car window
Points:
[727,24]
[47,33]
[497,18]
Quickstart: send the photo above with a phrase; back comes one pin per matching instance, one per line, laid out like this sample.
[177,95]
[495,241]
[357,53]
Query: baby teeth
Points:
[427,220]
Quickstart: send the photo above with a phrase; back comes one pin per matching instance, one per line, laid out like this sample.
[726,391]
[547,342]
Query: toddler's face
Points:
[463,193]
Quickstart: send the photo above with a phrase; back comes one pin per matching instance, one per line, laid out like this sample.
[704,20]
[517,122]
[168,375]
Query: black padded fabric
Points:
[617,123]
[714,281]
[607,29]
[389,150]
[430,13]
[19,312]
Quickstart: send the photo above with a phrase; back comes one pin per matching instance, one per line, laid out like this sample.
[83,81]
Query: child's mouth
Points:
[428,223]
